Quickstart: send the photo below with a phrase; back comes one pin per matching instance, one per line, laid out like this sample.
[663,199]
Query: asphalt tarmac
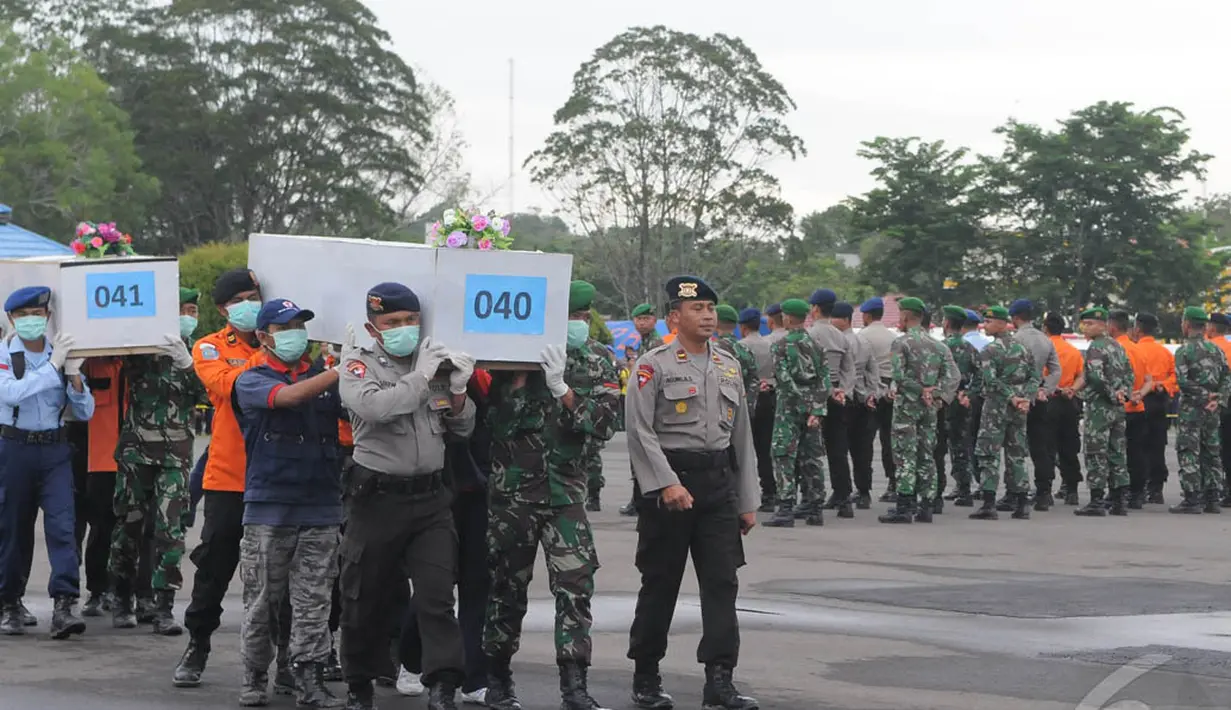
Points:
[1057,612]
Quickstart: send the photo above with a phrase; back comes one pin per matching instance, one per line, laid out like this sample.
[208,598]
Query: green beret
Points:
[996,313]
[1194,314]
[727,314]
[188,295]
[1097,313]
[580,296]
[911,304]
[645,309]
[955,312]
[796,307]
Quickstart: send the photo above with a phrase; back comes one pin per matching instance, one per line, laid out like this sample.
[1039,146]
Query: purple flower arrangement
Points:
[95,241]
[470,229]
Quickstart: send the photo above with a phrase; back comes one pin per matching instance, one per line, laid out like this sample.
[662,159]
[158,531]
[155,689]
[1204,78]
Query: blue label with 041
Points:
[120,294]
[497,304]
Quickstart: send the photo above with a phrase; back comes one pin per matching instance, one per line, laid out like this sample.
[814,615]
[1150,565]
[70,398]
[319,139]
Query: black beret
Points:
[233,282]
[1220,319]
[842,309]
[389,297]
[690,288]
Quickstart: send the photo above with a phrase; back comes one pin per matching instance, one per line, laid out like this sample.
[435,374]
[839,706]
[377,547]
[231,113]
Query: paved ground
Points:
[1055,612]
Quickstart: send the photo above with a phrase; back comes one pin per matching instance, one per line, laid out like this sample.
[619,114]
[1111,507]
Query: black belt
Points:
[685,460]
[49,436]
[401,485]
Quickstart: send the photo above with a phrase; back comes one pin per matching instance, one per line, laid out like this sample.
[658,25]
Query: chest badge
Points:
[681,407]
[681,356]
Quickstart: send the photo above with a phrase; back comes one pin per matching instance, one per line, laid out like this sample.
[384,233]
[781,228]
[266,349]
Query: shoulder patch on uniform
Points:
[645,372]
[209,352]
[356,368]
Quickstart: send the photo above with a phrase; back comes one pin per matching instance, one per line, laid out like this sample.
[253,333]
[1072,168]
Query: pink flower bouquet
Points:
[470,229]
[95,241]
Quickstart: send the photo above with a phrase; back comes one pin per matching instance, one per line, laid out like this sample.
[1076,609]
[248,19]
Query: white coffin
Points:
[331,277]
[111,306]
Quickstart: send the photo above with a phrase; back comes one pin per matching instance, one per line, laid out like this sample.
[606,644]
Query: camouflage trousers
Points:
[514,533]
[799,459]
[1105,445]
[142,491]
[594,472]
[1198,447]
[1002,431]
[914,442]
[957,419]
[275,562]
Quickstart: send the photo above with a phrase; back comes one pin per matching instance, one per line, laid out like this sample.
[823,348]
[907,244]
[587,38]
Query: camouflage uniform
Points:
[728,343]
[957,417]
[1107,371]
[918,362]
[803,391]
[1200,371]
[594,451]
[1006,371]
[154,456]
[536,495]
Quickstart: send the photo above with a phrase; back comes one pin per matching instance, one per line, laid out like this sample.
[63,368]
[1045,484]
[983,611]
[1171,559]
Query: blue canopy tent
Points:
[17,243]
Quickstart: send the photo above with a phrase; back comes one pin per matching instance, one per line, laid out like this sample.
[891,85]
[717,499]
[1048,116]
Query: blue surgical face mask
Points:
[289,345]
[242,315]
[30,327]
[578,331]
[402,341]
[188,325]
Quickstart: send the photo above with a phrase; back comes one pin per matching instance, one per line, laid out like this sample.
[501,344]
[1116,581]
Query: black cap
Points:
[690,288]
[233,282]
[389,297]
[1147,321]
[842,309]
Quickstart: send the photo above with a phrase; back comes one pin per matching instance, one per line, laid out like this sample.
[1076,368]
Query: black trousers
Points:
[1224,432]
[941,450]
[884,425]
[976,413]
[1039,438]
[860,432]
[216,559]
[762,437]
[1156,439]
[391,534]
[1064,419]
[1137,450]
[710,531]
[93,494]
[836,435]
[473,581]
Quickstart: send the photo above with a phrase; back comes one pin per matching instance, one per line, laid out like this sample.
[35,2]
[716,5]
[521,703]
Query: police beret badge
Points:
[374,304]
[688,289]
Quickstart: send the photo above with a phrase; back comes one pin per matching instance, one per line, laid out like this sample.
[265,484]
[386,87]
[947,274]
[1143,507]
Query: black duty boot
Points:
[1155,497]
[833,503]
[1006,504]
[574,693]
[629,510]
[93,606]
[1095,507]
[254,691]
[1118,506]
[648,692]
[442,695]
[1071,498]
[889,496]
[1043,500]
[284,677]
[501,692]
[593,504]
[310,690]
[10,620]
[360,696]
[938,506]
[1226,500]
[816,514]
[767,505]
[64,622]
[863,501]
[192,664]
[164,614]
[846,510]
[720,692]
[988,510]
[1021,507]
[1137,500]
[122,614]
[951,495]
[962,498]
[900,514]
[333,667]
[27,619]
[1190,505]
[924,511]
[145,610]
[1211,502]
[802,510]
[783,518]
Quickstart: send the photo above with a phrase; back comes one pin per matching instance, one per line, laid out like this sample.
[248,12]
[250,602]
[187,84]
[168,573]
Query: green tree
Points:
[201,266]
[663,147]
[66,151]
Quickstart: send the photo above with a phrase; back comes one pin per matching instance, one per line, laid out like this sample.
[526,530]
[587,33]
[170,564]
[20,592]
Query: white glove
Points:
[59,350]
[177,351]
[73,367]
[430,355]
[348,347]
[463,368]
[554,360]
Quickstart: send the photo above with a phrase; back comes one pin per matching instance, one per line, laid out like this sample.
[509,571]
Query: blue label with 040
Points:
[497,304]
[120,294]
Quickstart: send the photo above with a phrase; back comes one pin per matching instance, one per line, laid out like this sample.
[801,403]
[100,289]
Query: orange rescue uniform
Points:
[1071,361]
[219,358]
[1159,362]
[1139,372]
[103,374]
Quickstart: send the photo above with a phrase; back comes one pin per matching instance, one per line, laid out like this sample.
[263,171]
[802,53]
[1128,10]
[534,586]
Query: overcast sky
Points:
[939,69]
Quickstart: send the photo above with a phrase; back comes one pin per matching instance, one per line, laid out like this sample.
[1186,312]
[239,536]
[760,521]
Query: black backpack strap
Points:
[19,371]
